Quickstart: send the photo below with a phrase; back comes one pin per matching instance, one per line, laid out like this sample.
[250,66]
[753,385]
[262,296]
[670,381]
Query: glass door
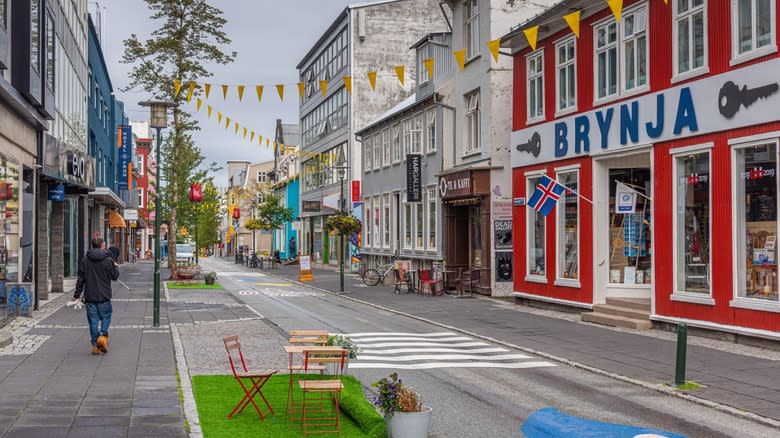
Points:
[630,252]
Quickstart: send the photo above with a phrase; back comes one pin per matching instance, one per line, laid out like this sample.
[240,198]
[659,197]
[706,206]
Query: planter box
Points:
[410,424]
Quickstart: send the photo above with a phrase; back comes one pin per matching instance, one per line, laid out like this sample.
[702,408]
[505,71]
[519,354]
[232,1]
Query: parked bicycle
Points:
[374,276]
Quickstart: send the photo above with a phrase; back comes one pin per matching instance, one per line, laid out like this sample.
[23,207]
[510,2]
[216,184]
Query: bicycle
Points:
[374,276]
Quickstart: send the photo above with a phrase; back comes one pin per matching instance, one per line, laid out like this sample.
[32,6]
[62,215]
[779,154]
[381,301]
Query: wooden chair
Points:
[313,384]
[310,338]
[474,279]
[257,379]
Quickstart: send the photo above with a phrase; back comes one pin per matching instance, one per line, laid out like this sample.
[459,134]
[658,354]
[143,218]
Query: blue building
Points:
[104,115]
[287,187]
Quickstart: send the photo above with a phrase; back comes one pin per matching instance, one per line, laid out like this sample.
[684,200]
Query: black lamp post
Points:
[341,168]
[158,120]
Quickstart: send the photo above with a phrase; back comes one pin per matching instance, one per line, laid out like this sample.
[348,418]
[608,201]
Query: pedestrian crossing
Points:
[420,351]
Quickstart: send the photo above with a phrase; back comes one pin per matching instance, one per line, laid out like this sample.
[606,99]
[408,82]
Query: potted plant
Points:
[343,224]
[402,408]
[347,344]
[210,277]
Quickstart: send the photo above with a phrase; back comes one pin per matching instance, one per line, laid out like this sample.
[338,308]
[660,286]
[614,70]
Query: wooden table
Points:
[299,349]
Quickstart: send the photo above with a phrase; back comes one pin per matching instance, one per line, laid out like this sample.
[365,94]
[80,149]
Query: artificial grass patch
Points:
[215,397]
[176,285]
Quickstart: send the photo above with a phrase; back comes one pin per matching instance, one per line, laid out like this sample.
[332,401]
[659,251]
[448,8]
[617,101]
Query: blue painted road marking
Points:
[549,423]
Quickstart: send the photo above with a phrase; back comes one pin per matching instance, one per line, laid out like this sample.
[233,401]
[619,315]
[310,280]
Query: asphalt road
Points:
[476,389]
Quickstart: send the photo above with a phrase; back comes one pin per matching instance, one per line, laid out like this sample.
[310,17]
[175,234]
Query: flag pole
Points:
[634,188]
[562,185]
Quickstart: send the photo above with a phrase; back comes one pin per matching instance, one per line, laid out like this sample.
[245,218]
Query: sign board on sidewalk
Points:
[304,269]
[296,226]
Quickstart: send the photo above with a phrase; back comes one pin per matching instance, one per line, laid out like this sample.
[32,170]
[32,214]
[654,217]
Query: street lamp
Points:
[158,120]
[341,168]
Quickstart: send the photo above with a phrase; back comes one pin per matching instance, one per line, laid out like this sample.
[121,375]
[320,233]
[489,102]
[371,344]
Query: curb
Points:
[6,338]
[655,387]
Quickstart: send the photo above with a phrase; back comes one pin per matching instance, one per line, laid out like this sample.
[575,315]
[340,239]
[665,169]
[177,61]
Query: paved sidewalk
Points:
[51,385]
[748,381]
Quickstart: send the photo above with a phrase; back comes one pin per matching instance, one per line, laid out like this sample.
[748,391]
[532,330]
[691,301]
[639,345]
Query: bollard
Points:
[682,344]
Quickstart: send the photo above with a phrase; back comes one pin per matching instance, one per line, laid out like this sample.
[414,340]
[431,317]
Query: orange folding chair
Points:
[257,379]
[315,417]
[312,338]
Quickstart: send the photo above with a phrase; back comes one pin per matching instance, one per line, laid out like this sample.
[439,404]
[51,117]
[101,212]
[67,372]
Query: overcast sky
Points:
[270,37]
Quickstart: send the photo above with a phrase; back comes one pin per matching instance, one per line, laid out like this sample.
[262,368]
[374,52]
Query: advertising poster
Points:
[503,266]
[502,234]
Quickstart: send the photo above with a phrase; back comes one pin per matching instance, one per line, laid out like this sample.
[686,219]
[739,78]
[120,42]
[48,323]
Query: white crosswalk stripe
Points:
[419,351]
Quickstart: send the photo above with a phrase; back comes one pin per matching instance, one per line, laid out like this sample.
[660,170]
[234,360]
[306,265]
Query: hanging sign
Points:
[125,144]
[57,192]
[414,178]
[625,199]
[355,191]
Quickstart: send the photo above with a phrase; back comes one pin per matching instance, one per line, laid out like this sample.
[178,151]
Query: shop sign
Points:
[57,192]
[625,198]
[695,178]
[502,234]
[355,191]
[502,209]
[311,206]
[70,166]
[296,226]
[745,97]
[131,214]
[455,184]
[413,178]
[125,144]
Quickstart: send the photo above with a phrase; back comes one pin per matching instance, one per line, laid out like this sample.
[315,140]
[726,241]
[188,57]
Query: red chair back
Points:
[232,346]
[424,275]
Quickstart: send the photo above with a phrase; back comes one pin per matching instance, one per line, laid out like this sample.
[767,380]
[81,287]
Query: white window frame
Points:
[367,225]
[368,157]
[396,143]
[417,134]
[570,63]
[529,189]
[623,41]
[407,224]
[377,225]
[262,177]
[386,147]
[423,53]
[534,77]
[430,130]
[736,212]
[677,18]
[141,163]
[377,139]
[407,147]
[680,295]
[418,211]
[140,197]
[431,197]
[386,220]
[470,25]
[598,50]
[560,234]
[472,144]
[736,57]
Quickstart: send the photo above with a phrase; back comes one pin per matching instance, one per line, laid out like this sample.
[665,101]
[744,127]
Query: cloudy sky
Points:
[270,37]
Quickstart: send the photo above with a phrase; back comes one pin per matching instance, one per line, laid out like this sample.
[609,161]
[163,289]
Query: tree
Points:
[189,35]
[272,213]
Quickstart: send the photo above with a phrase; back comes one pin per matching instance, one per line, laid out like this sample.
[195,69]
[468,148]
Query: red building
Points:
[142,166]
[668,121]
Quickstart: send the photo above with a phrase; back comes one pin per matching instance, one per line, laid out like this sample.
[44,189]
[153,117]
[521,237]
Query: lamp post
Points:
[341,168]
[157,120]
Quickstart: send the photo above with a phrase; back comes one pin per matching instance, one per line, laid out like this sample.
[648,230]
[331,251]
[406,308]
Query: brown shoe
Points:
[95,349]
[102,343]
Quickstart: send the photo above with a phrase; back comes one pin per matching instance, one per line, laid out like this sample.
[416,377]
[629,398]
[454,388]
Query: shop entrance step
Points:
[621,312]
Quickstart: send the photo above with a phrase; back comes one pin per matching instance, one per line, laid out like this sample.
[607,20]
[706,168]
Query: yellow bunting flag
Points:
[460,56]
[176,87]
[224,91]
[227,123]
[199,104]
[260,139]
[209,109]
[348,84]
[235,131]
[240,89]
[573,20]
[301,87]
[399,71]
[252,137]
[372,79]
[245,131]
[219,117]
[280,90]
[267,142]
[324,87]
[429,67]
[190,91]
[494,45]
[259,89]
[207,87]
[617,8]
[531,34]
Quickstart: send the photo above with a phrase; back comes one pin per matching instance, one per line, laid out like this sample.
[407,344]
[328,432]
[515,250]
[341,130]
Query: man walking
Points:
[96,272]
[113,250]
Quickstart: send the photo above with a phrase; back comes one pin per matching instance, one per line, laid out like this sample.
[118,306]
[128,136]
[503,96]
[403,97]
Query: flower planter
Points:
[187,273]
[210,280]
[409,424]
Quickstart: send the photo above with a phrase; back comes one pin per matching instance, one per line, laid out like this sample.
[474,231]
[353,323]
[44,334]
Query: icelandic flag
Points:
[545,195]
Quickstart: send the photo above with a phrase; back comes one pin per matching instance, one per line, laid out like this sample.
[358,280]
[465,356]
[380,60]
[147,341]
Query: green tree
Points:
[272,213]
[189,36]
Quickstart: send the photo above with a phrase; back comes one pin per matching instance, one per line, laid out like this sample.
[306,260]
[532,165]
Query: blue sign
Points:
[57,192]
[548,422]
[125,143]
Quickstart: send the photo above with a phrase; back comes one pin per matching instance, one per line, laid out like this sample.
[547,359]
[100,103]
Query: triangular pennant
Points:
[301,88]
[372,79]
[224,91]
[176,87]
[460,56]
[190,91]
[399,71]
[245,132]
[252,137]
[259,89]
[267,142]
[348,84]
[240,89]
[494,45]
[199,104]
[324,87]
[227,122]
[617,8]
[260,139]
[209,109]
[235,130]
[280,90]
[429,67]
[573,20]
[531,34]
[219,117]
[207,87]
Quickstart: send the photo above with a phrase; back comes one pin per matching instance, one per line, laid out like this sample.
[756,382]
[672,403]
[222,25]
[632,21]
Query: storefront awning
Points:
[115,220]
[104,195]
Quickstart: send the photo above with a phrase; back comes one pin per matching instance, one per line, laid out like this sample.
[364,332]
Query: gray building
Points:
[365,37]
[402,147]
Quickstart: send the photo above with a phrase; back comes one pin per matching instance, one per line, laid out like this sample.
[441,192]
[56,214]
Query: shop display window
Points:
[407,225]
[630,254]
[9,228]
[568,227]
[418,230]
[535,237]
[756,201]
[367,224]
[475,216]
[375,227]
[692,211]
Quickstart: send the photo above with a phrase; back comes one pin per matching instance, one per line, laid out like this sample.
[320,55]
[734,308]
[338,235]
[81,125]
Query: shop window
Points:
[692,223]
[756,220]
[432,219]
[475,216]
[367,153]
[535,236]
[606,60]
[407,224]
[630,258]
[690,37]
[396,143]
[386,221]
[535,75]
[471,30]
[753,28]
[9,227]
[419,215]
[568,263]
[430,132]
[367,224]
[376,227]
[565,62]
[472,123]
[377,151]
